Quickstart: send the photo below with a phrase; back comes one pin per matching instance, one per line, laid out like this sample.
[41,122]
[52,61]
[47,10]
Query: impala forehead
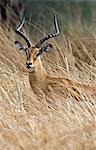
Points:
[33,51]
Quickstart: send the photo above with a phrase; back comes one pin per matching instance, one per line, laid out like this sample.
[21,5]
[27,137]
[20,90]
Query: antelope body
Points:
[38,76]
[33,52]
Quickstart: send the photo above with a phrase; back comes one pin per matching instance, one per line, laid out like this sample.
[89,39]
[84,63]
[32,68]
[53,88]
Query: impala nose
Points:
[29,65]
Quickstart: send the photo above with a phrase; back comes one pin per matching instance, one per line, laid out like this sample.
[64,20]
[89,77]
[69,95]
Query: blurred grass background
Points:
[55,121]
[69,11]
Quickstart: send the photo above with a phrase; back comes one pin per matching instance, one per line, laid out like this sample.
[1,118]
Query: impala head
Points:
[33,53]
[31,57]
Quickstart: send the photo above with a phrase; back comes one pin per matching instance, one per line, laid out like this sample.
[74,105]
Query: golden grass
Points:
[54,121]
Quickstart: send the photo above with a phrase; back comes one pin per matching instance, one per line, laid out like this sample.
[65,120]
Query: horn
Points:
[56,33]
[18,31]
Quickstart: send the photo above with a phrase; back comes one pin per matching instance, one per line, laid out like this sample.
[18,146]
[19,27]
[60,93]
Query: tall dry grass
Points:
[53,121]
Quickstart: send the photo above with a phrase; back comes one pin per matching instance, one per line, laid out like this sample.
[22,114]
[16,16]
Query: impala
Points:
[38,76]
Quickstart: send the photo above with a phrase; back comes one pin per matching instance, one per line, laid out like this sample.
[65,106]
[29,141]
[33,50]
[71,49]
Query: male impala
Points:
[39,76]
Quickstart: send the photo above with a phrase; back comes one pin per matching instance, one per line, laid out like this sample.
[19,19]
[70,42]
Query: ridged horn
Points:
[56,33]
[21,33]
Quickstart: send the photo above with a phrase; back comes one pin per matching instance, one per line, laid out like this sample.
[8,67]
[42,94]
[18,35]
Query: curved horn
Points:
[57,31]
[18,31]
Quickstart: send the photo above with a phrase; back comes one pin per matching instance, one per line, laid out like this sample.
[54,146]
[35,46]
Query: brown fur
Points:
[40,79]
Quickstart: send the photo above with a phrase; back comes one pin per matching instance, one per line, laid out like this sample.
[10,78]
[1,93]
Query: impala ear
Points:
[21,47]
[45,49]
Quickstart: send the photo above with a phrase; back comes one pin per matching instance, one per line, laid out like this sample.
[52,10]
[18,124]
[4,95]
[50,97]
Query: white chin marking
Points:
[31,66]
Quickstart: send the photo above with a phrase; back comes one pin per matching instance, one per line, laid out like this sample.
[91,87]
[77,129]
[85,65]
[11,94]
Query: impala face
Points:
[31,57]
[33,52]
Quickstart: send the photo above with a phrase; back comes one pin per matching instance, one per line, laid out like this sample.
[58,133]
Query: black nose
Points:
[29,65]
